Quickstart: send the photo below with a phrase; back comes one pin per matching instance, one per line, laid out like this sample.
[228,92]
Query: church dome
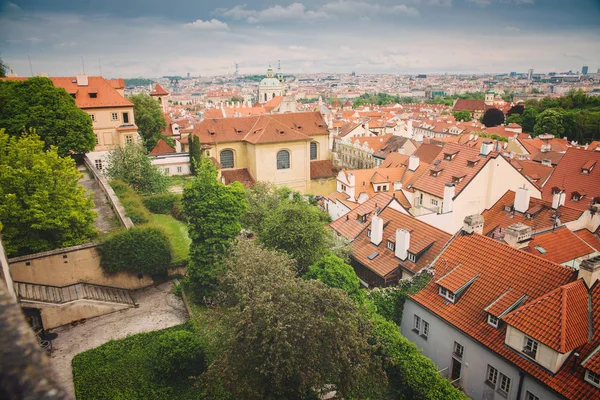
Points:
[270,82]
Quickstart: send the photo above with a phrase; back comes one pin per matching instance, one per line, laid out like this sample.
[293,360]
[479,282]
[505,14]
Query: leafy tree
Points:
[213,211]
[36,106]
[130,164]
[236,99]
[42,204]
[529,118]
[515,118]
[262,199]
[335,273]
[195,153]
[289,338]
[549,121]
[518,109]
[178,354]
[462,115]
[3,69]
[493,117]
[148,118]
[298,229]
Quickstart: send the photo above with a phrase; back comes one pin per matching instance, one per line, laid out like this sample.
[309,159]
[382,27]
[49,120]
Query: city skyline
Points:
[135,38]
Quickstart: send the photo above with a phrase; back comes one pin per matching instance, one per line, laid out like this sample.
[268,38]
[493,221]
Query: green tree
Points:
[213,211]
[514,119]
[3,69]
[463,115]
[493,117]
[262,199]
[42,204]
[236,99]
[549,121]
[148,118]
[290,338]
[130,164]
[298,229]
[335,273]
[36,106]
[529,118]
[195,153]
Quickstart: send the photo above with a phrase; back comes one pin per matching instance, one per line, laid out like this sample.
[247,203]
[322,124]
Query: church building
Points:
[271,86]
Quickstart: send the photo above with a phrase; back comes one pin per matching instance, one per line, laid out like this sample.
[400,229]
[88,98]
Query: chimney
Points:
[486,147]
[518,235]
[594,221]
[376,230]
[473,224]
[589,270]
[82,79]
[558,198]
[413,163]
[402,243]
[448,198]
[522,199]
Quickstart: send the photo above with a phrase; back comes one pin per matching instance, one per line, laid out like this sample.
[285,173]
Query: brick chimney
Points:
[402,243]
[518,235]
[473,224]
[376,230]
[589,270]
[413,163]
[448,198]
[522,199]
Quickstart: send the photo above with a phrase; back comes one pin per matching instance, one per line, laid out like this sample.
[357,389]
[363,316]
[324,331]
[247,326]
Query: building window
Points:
[412,257]
[425,331]
[368,233]
[493,321]
[93,117]
[97,140]
[114,116]
[179,169]
[98,164]
[459,350]
[313,151]
[125,118]
[434,202]
[283,159]
[445,293]
[492,376]
[391,245]
[592,378]
[504,384]
[167,171]
[226,159]
[344,188]
[530,396]
[530,347]
[417,324]
[128,139]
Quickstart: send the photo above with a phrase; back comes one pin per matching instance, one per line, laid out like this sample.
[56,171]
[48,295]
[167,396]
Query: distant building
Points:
[530,74]
[584,70]
[270,87]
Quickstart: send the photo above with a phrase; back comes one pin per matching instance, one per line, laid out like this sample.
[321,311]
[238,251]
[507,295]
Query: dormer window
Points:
[472,163]
[592,378]
[576,196]
[391,245]
[530,347]
[457,179]
[588,167]
[412,257]
[450,156]
[445,293]
[493,321]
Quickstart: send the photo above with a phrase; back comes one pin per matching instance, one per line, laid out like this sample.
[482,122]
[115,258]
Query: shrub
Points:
[179,354]
[177,211]
[161,203]
[144,249]
[131,201]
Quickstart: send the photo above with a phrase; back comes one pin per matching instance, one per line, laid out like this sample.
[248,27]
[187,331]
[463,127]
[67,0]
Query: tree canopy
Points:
[34,105]
[549,121]
[462,115]
[130,164]
[3,69]
[42,204]
[493,117]
[335,273]
[148,118]
[213,211]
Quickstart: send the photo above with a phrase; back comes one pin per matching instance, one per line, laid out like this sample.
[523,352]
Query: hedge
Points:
[131,201]
[140,367]
[161,203]
[177,211]
[141,249]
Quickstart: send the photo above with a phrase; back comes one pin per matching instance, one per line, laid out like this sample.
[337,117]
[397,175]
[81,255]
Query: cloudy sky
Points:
[149,38]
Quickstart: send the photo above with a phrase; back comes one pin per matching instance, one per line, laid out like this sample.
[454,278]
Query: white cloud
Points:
[238,12]
[365,9]
[511,28]
[295,12]
[213,24]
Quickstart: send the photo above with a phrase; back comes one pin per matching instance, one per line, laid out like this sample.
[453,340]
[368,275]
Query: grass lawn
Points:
[178,235]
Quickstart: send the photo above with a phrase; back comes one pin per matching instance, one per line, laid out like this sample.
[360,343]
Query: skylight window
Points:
[373,255]
[540,249]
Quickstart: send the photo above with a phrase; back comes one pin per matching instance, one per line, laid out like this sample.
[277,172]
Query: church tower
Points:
[270,86]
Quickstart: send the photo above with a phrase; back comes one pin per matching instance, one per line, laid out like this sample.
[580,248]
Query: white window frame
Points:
[433,202]
[114,116]
[592,378]
[412,257]
[445,293]
[368,233]
[493,321]
[531,345]
[504,384]
[97,139]
[459,350]
[315,146]
[530,396]
[167,171]
[491,376]
[417,324]
[391,245]
[425,329]
[343,187]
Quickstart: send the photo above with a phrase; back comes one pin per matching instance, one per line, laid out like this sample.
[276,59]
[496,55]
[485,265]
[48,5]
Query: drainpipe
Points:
[520,388]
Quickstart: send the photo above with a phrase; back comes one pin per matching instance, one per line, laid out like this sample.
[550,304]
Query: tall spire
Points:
[279,66]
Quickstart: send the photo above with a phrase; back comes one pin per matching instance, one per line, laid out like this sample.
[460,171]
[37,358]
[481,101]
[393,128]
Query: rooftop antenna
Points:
[278,65]
[82,64]
[30,67]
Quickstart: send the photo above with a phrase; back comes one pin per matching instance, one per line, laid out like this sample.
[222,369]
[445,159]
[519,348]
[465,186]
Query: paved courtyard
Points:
[158,309]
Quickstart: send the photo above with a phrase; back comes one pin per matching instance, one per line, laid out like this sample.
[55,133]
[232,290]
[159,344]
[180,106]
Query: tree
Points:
[130,164]
[148,118]
[518,109]
[335,273]
[549,121]
[213,211]
[290,338]
[236,99]
[296,228]
[42,204]
[462,115]
[262,199]
[195,153]
[493,117]
[514,119]
[3,69]
[529,118]
[36,106]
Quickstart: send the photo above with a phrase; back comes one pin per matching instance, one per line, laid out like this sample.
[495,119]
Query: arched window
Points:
[313,151]
[226,159]
[283,159]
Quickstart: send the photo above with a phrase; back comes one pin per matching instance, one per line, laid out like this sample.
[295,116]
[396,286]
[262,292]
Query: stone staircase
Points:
[65,294]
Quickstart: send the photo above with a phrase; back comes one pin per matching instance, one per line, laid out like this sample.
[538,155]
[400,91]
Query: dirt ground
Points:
[106,220]
[158,309]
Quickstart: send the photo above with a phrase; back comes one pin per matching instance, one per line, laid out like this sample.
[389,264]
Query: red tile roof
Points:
[350,225]
[427,153]
[322,169]
[241,175]
[161,147]
[588,237]
[534,171]
[159,91]
[394,160]
[568,174]
[559,246]
[470,105]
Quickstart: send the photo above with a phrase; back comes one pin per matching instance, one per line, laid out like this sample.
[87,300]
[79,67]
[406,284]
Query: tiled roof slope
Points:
[558,319]
[541,213]
[559,246]
[534,171]
[394,160]
[427,152]
[568,175]
[470,105]
[589,238]
[161,147]
[241,175]
[350,225]
[158,91]
[423,237]
[322,169]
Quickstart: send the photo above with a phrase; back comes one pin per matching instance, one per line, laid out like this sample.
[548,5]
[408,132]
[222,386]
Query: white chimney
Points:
[522,199]
[351,180]
[402,243]
[448,198]
[589,270]
[82,79]
[376,230]
[594,221]
[413,163]
[486,147]
[518,235]
[558,198]
[473,224]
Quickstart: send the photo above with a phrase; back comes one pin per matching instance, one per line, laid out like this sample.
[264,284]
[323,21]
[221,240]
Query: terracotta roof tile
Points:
[559,246]
[505,303]
[590,238]
[161,147]
[322,169]
[241,175]
[427,153]
[350,225]
[158,91]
